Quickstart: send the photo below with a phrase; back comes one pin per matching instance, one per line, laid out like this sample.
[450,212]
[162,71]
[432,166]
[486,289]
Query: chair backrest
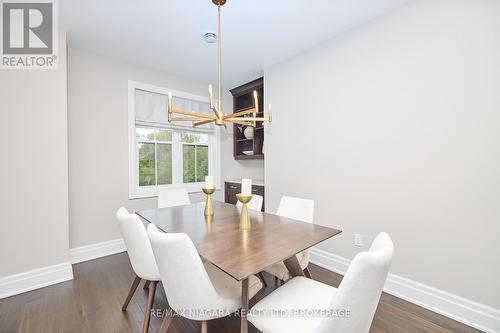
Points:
[255,203]
[360,289]
[296,208]
[137,243]
[171,198]
[185,279]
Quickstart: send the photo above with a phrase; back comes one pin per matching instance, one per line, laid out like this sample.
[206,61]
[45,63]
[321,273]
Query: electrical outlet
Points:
[358,240]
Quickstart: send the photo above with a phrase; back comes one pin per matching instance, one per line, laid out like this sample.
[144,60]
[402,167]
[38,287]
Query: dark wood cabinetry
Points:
[248,148]
[232,188]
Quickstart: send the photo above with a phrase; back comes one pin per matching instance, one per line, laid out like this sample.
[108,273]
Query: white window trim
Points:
[136,192]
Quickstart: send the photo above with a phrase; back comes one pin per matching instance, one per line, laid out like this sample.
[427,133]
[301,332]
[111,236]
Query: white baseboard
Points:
[479,316]
[38,278]
[96,250]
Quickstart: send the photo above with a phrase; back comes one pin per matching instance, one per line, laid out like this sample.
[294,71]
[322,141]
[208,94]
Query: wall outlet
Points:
[358,240]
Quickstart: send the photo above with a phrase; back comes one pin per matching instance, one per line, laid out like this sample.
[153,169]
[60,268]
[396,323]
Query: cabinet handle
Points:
[255,191]
[233,187]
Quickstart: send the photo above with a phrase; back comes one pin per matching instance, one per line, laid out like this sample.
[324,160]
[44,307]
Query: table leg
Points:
[293,266]
[244,305]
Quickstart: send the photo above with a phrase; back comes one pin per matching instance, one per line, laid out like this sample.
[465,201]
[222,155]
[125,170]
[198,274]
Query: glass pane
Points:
[164,152]
[163,135]
[189,164]
[201,163]
[144,134]
[194,138]
[147,164]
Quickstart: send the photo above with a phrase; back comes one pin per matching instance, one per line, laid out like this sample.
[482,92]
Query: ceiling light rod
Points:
[219,118]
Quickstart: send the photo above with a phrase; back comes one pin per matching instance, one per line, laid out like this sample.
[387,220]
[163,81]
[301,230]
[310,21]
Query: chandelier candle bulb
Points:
[209,181]
[246,187]
[211,95]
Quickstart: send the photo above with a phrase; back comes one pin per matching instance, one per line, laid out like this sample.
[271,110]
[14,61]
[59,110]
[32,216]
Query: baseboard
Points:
[479,316]
[96,250]
[38,278]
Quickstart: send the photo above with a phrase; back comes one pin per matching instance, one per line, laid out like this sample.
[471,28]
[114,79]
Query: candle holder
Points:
[209,210]
[244,218]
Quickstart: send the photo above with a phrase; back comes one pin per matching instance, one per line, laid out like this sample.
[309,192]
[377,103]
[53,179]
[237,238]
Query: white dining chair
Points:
[347,309]
[196,290]
[297,209]
[172,198]
[255,203]
[141,258]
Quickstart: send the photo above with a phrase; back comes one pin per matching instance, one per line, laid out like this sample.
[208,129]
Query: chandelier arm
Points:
[240,113]
[240,122]
[203,122]
[249,119]
[188,119]
[194,114]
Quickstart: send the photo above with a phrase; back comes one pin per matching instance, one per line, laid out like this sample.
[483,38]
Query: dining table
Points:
[239,252]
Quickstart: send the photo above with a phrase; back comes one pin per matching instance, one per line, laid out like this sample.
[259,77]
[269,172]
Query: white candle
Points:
[209,181]
[246,187]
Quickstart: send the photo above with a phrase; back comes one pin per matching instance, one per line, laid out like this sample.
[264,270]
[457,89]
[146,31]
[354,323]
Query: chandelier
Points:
[247,117]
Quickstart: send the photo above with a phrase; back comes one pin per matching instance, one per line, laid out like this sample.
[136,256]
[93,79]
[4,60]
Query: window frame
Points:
[136,191]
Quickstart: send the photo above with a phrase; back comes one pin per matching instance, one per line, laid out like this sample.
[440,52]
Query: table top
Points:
[240,253]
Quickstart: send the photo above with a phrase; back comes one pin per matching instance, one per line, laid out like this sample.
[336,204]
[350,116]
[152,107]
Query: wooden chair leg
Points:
[307,273]
[131,292]
[166,323]
[151,298]
[261,276]
[146,284]
[204,328]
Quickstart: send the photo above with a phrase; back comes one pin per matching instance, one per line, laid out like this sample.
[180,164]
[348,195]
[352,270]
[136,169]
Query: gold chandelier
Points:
[246,117]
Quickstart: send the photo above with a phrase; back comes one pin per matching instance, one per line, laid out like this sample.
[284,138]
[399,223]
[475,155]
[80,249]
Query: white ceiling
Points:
[166,35]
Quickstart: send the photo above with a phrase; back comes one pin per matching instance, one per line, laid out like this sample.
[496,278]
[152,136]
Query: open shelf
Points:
[243,100]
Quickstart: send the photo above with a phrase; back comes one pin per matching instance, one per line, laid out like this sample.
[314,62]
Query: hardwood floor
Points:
[92,303]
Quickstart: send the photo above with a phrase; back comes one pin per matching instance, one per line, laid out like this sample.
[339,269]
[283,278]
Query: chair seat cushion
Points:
[227,286]
[286,308]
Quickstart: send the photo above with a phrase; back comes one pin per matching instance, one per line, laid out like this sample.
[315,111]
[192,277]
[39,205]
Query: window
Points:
[155,156]
[164,155]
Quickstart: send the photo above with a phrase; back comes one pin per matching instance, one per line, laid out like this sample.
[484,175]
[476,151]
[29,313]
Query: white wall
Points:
[395,126]
[33,168]
[98,146]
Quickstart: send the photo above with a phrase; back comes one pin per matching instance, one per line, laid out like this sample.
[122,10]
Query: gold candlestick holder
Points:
[244,218]
[209,210]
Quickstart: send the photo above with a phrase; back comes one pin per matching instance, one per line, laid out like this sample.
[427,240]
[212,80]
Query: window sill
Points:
[153,192]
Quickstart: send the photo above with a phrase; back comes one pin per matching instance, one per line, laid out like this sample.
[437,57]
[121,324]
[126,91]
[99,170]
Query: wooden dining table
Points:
[241,253]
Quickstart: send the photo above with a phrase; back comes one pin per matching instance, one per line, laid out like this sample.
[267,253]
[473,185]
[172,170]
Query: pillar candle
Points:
[209,181]
[246,186]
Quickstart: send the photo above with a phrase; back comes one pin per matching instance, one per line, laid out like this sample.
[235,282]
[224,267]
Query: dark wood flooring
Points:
[92,303]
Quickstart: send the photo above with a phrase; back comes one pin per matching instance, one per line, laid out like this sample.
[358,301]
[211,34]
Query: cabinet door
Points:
[230,192]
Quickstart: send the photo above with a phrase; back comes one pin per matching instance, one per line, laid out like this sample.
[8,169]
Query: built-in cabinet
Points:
[248,144]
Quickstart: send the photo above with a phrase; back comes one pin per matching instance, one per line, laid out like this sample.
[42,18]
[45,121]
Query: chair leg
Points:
[204,328]
[261,276]
[146,284]
[166,323]
[151,298]
[307,273]
[131,292]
